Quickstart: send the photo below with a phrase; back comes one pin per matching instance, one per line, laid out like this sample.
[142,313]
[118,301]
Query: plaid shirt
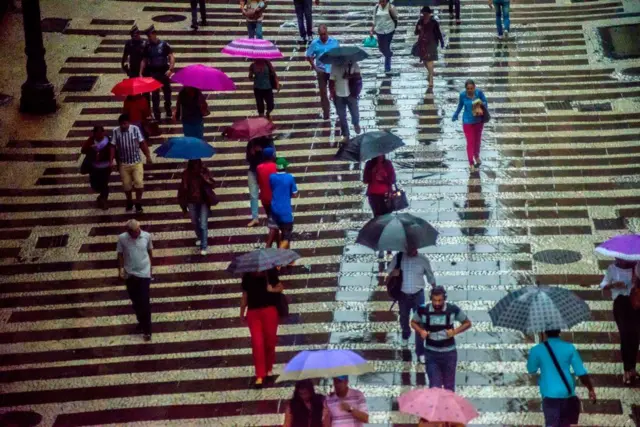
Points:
[413,271]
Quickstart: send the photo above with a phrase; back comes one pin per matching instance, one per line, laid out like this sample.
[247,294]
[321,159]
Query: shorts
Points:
[286,228]
[132,176]
[271,223]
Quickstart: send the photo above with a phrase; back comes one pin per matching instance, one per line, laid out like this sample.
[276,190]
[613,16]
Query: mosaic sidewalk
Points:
[560,174]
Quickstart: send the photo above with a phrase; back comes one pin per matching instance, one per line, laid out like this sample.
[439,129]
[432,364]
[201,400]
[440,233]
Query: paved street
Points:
[560,173]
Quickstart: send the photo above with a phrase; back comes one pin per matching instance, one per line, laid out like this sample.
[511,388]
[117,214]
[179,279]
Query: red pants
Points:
[263,326]
[473,133]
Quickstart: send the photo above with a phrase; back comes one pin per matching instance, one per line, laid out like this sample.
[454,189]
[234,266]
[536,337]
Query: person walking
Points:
[316,48]
[128,142]
[554,359]
[345,406]
[618,282]
[263,174]
[194,13]
[253,11]
[454,4]
[472,122]
[135,253]
[304,15]
[385,21]
[138,110]
[255,156]
[158,63]
[343,98]
[265,80]
[502,15]
[413,267]
[429,34]
[100,154]
[133,53]
[191,109]
[379,175]
[434,322]
[193,192]
[283,188]
[305,407]
[258,308]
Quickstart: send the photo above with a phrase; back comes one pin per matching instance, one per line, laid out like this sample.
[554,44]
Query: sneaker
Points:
[203,22]
[129,207]
[198,243]
[506,34]
[253,222]
[421,358]
[405,343]
[138,328]
[500,37]
[203,252]
[146,337]
[302,40]
[139,209]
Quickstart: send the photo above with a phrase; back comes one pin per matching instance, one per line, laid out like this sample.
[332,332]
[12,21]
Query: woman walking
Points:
[258,307]
[100,154]
[191,109]
[385,21]
[265,80]
[474,103]
[305,407]
[255,157]
[379,176]
[194,195]
[429,34]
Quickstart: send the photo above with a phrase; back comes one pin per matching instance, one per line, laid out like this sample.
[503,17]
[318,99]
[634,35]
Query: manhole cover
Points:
[603,106]
[20,419]
[54,25]
[557,256]
[169,18]
[5,99]
[79,83]
[560,105]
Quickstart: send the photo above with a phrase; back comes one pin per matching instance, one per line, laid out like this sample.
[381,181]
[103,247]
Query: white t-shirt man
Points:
[339,74]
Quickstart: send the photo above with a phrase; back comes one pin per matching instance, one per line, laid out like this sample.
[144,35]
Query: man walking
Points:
[454,4]
[317,47]
[502,15]
[435,324]
[555,359]
[133,53]
[343,98]
[345,406]
[303,12]
[158,63]
[283,188]
[413,267]
[128,142]
[134,267]
[263,174]
[194,13]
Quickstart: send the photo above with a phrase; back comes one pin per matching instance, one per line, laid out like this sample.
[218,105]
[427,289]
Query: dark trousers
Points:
[166,92]
[456,4]
[138,289]
[264,96]
[627,319]
[99,180]
[323,86]
[561,412]
[378,204]
[406,303]
[384,46]
[303,12]
[194,10]
[440,367]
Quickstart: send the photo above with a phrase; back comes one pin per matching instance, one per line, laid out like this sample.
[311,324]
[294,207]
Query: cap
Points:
[151,29]
[134,30]
[281,163]
[268,152]
[342,377]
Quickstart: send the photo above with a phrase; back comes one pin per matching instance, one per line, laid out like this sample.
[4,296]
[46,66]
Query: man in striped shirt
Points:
[128,141]
[345,407]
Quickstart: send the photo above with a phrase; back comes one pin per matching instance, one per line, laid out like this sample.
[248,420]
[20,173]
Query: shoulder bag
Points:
[397,199]
[209,195]
[282,305]
[394,283]
[87,164]
[355,84]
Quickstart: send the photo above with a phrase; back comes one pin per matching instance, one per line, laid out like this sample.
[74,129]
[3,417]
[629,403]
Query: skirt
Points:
[431,53]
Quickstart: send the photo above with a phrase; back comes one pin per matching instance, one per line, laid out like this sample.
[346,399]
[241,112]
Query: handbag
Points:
[485,114]
[87,165]
[370,41]
[355,84]
[397,200]
[415,50]
[394,283]
[282,305]
[209,196]
[273,78]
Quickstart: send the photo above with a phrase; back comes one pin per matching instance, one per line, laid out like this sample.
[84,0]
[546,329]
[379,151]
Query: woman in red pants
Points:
[258,307]
[472,123]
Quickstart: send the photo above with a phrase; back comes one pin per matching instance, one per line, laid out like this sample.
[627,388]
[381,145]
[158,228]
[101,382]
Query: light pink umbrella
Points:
[437,405]
[204,78]
[253,49]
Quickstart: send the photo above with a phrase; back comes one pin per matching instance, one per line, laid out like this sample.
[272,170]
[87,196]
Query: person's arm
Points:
[586,381]
[112,153]
[150,252]
[373,21]
[358,414]
[326,415]
[418,29]
[119,251]
[172,59]
[144,147]
[490,4]
[252,74]
[580,371]
[533,363]
[86,147]
[415,325]
[332,83]
[393,12]
[483,98]
[243,305]
[294,188]
[466,324]
[428,271]
[460,106]
[143,65]
[288,419]
[439,35]
[366,175]
[125,59]
[391,173]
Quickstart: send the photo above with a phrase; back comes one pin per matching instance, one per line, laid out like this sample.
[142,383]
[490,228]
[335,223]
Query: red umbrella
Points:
[136,86]
[248,129]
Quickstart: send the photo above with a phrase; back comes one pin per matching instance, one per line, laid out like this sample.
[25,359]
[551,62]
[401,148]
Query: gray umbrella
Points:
[535,309]
[397,232]
[369,145]
[261,260]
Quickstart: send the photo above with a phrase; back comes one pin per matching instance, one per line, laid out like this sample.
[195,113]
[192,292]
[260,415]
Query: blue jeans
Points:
[441,368]
[200,217]
[502,14]
[254,192]
[384,45]
[303,12]
[342,103]
[407,303]
[255,30]
[561,412]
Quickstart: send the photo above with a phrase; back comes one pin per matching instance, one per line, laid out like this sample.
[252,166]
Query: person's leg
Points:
[204,226]
[570,412]
[340,103]
[323,82]
[194,213]
[429,65]
[479,127]
[449,364]
[497,5]
[145,305]
[251,29]
[404,308]
[457,6]
[194,13]
[470,137]
[552,410]
[300,15]
[127,184]
[259,101]
[104,190]
[254,191]
[134,295]
[138,183]
[308,16]
[352,103]
[623,315]
[286,230]
[432,368]
[259,29]
[268,97]
[270,331]
[505,16]
[155,100]
[451,9]
[166,93]
[203,11]
[254,321]
[387,58]
[417,301]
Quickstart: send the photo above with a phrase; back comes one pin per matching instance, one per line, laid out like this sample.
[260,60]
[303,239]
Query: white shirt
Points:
[617,274]
[383,24]
[338,73]
[136,254]
[414,268]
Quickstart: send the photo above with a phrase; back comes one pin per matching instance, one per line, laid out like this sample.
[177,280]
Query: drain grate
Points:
[48,242]
[603,106]
[54,25]
[559,105]
[79,83]
[609,224]
[557,256]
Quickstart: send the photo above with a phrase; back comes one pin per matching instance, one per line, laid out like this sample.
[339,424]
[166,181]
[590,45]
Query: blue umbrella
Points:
[343,54]
[185,147]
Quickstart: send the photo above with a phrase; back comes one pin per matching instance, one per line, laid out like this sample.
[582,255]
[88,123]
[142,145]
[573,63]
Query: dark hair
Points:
[300,414]
[469,82]
[426,9]
[554,333]
[438,290]
[98,128]
[123,118]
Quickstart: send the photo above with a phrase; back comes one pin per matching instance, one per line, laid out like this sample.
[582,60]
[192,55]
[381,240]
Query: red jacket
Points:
[379,177]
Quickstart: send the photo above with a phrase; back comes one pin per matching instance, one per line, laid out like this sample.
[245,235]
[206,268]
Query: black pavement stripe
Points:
[24,157]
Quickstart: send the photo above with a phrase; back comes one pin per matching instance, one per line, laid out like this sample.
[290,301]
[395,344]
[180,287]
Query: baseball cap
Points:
[281,163]
[268,152]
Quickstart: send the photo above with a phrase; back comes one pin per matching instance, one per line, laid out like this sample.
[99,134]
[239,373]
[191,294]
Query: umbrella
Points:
[136,86]
[324,364]
[625,247]
[397,232]
[369,145]
[343,54]
[534,309]
[252,49]
[248,129]
[204,78]
[261,260]
[185,147]
[437,405]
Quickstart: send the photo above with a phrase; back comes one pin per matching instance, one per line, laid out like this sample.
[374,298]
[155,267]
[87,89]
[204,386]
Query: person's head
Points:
[323,33]
[438,297]
[98,132]
[380,159]
[194,165]
[269,154]
[554,333]
[412,251]
[303,391]
[281,164]
[383,3]
[124,121]
[470,87]
[135,32]
[133,228]
[426,12]
[341,385]
[151,33]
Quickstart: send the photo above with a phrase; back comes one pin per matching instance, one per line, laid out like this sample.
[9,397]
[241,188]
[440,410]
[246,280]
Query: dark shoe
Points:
[157,116]
[194,26]
[129,207]
[259,383]
[169,114]
[139,209]
[203,22]
[138,328]
[146,337]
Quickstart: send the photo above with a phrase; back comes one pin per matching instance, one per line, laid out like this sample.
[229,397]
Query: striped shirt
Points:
[437,323]
[341,418]
[128,144]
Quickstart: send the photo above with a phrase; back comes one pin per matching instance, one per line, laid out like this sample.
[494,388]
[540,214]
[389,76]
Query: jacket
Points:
[191,188]
[375,184]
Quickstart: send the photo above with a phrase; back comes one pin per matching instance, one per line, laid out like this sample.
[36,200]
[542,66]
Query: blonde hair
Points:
[133,225]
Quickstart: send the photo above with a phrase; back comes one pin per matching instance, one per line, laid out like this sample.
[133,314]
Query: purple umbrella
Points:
[324,364]
[204,78]
[626,246]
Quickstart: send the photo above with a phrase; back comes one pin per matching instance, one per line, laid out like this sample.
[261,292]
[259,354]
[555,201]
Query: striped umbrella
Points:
[252,49]
[261,260]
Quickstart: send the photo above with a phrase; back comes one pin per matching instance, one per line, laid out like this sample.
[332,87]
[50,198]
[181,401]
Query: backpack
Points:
[355,84]
[394,283]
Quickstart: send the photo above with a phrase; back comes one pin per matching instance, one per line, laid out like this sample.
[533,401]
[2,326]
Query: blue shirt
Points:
[551,385]
[317,48]
[283,185]
[467,103]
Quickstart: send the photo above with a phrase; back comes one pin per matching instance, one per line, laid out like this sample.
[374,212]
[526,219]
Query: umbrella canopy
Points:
[397,232]
[204,78]
[136,86]
[185,147]
[248,129]
[625,247]
[324,364]
[261,260]
[437,405]
[342,55]
[369,145]
[534,309]
[253,49]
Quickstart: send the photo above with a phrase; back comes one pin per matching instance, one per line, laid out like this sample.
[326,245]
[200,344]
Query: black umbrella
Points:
[343,55]
[369,145]
[397,232]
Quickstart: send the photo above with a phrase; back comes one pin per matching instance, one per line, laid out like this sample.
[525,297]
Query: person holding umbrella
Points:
[191,109]
[429,34]
[265,80]
[316,48]
[193,198]
[344,93]
[379,175]
[345,405]
[305,407]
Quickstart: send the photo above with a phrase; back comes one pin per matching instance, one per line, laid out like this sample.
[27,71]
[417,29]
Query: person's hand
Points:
[114,167]
[331,97]
[441,45]
[451,333]
[243,318]
[185,212]
[395,272]
[149,160]
[490,4]
[618,285]
[125,68]
[454,118]
[121,275]
[317,2]
[424,334]
[169,73]
[345,406]
[592,396]
[371,32]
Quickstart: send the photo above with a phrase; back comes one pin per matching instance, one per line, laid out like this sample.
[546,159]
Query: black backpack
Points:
[394,283]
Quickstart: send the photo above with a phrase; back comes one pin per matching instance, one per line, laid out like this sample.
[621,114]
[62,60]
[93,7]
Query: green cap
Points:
[281,163]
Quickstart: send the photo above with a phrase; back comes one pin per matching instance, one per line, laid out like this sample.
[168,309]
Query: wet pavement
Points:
[560,174]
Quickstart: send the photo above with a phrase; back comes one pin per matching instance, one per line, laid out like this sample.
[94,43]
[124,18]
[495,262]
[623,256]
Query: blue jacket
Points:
[467,103]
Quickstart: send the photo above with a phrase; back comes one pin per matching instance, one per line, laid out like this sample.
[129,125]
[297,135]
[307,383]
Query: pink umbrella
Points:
[253,49]
[204,78]
[437,405]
